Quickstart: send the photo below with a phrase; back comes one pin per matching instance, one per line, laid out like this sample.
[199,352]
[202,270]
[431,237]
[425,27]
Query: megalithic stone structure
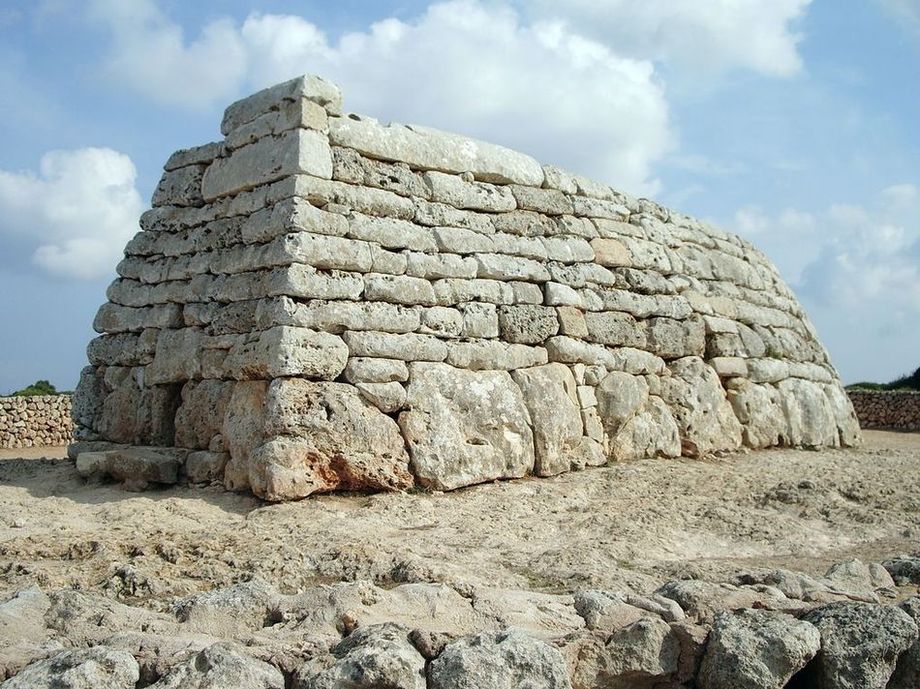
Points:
[323,302]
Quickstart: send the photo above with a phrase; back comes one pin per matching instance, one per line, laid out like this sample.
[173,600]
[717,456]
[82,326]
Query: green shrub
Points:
[39,387]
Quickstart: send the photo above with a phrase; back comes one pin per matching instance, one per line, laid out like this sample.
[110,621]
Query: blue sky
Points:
[792,122]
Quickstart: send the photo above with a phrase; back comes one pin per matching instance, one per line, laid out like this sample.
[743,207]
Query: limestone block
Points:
[304,281]
[391,233]
[458,240]
[759,410]
[339,316]
[479,320]
[599,208]
[430,149]
[202,466]
[456,192]
[513,245]
[200,416]
[434,266]
[701,408]
[295,152]
[88,397]
[673,339]
[399,289]
[578,227]
[479,355]
[557,294]
[842,408]
[548,201]
[180,187]
[331,253]
[559,179]
[525,224]
[567,249]
[526,293]
[441,321]
[349,166]
[810,419]
[287,351]
[347,197]
[197,155]
[572,322]
[134,464]
[451,291]
[767,370]
[243,430]
[112,318]
[371,370]
[177,358]
[617,229]
[611,252]
[644,305]
[325,436]
[287,216]
[441,215]
[615,329]
[408,347]
[550,395]
[125,349]
[729,366]
[387,397]
[465,427]
[292,114]
[527,324]
[499,267]
[308,86]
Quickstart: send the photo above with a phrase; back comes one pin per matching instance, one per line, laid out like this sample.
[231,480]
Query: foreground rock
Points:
[860,644]
[756,649]
[92,668]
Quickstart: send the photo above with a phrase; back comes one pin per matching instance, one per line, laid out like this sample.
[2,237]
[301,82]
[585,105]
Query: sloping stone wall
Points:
[322,302]
[35,421]
[897,409]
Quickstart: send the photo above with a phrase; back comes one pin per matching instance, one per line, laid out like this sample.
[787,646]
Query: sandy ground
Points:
[631,525]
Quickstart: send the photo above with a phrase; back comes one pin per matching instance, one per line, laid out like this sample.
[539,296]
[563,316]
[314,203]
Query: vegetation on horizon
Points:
[39,387]
[906,382]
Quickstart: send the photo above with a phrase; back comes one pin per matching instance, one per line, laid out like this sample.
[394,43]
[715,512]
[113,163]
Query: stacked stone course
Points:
[38,421]
[895,409]
[322,302]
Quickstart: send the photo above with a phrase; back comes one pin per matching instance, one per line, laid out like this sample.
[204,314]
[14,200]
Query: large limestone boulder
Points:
[222,666]
[758,649]
[92,668]
[860,644]
[322,437]
[637,424]
[375,656]
[465,427]
[499,660]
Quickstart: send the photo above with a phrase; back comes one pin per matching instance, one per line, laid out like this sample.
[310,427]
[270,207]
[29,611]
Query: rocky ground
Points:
[608,577]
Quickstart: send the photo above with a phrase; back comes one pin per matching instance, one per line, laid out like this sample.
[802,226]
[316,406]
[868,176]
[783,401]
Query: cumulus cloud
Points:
[467,66]
[857,270]
[76,213]
[906,12]
[710,36]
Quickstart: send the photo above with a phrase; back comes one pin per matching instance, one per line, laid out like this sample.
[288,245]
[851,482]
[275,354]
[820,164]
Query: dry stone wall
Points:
[896,409]
[322,302]
[36,421]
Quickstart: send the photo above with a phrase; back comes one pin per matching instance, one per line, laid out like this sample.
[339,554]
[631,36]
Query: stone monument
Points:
[322,302]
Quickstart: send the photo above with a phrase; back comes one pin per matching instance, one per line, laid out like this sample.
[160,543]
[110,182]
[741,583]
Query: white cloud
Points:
[76,214]
[710,36]
[857,270]
[906,12]
[464,65]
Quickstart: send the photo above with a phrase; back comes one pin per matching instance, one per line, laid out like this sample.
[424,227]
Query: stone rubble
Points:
[797,631]
[321,302]
[36,421]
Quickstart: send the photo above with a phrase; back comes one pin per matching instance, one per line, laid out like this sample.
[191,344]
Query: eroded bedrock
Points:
[321,302]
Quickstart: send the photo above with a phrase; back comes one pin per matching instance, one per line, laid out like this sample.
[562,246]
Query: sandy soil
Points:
[631,525]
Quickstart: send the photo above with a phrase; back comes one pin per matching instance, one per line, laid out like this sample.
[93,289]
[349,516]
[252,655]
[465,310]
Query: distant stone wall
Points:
[897,409]
[35,421]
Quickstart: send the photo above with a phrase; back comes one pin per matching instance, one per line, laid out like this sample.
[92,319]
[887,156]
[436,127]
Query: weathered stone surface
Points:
[549,393]
[371,370]
[308,86]
[296,151]
[92,668]
[757,649]
[860,644]
[379,655]
[430,149]
[136,464]
[642,654]
[907,671]
[222,666]
[637,424]
[322,437]
[503,660]
[527,324]
[465,427]
[701,408]
[288,351]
